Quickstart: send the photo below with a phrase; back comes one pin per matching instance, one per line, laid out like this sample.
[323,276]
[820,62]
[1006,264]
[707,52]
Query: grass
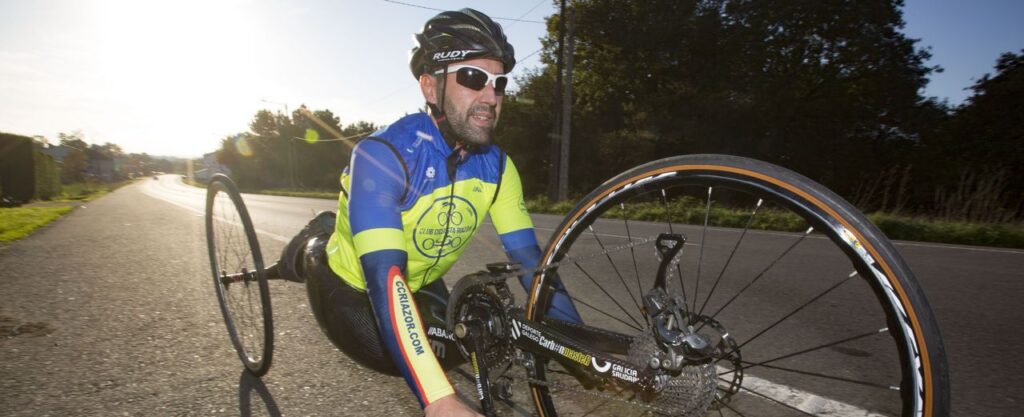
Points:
[86,191]
[690,211]
[18,222]
[897,227]
[1006,235]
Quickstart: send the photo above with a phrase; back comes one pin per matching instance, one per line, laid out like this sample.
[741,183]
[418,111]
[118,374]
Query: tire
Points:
[816,330]
[233,249]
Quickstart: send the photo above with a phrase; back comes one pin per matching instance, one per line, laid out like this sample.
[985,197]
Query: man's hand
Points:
[449,406]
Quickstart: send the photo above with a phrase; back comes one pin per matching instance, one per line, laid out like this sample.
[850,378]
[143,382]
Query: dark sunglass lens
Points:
[499,85]
[471,78]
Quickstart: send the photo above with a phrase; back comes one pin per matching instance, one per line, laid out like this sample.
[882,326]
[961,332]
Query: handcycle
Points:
[708,285]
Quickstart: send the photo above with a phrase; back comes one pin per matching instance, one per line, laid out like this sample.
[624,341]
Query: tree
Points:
[280,149]
[828,88]
[75,161]
[980,150]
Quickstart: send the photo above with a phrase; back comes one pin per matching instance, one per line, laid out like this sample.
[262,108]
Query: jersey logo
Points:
[445,227]
[430,173]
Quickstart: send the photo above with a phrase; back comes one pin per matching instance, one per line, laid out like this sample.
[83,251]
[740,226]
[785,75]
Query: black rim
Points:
[239,276]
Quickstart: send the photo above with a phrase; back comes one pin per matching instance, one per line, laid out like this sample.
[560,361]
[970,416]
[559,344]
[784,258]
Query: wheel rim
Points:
[691,181]
[242,302]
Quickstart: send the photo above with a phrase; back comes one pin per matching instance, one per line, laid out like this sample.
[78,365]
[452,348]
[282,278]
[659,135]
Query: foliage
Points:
[826,88]
[16,223]
[972,163]
[304,150]
[47,176]
[87,190]
[895,226]
[17,182]
[1009,235]
[830,89]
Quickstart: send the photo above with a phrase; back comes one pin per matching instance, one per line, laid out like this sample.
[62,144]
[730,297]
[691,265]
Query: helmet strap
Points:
[437,111]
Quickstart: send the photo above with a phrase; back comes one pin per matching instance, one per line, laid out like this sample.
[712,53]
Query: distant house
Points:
[101,166]
[212,167]
[57,152]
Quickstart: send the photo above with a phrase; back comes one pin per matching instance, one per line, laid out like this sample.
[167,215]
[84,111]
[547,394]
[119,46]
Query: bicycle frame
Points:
[589,354]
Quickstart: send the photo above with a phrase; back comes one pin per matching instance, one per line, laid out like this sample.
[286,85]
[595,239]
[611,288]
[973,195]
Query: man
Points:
[412,198]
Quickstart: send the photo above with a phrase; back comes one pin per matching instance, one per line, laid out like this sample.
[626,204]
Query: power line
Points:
[523,59]
[442,10]
[346,138]
[535,6]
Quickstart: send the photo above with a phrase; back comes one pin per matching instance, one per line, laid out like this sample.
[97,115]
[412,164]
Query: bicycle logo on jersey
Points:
[445,227]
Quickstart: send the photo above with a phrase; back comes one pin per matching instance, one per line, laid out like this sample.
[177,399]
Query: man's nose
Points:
[488,95]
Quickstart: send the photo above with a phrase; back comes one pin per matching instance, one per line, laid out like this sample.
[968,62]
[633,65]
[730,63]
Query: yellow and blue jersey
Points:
[409,206]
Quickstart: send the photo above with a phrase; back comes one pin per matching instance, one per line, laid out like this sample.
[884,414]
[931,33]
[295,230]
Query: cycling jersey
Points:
[409,206]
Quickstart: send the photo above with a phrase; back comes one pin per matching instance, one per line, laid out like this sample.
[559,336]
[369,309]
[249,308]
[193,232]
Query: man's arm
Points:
[377,186]
[515,229]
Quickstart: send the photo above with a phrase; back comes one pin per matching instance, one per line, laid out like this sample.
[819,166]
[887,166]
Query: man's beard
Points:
[467,132]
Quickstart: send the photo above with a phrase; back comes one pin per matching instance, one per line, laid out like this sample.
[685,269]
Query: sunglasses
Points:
[475,78]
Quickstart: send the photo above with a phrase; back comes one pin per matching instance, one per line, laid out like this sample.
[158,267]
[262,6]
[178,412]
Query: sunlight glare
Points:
[185,65]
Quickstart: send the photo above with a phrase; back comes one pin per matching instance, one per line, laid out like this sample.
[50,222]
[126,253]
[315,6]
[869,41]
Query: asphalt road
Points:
[115,315]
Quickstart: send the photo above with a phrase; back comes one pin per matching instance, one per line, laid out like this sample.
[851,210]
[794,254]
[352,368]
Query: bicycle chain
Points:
[555,265]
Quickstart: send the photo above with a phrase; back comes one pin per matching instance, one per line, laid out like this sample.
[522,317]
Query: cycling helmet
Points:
[458,36]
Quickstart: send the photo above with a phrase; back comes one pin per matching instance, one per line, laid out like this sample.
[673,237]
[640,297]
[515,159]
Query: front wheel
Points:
[814,311]
[238,275]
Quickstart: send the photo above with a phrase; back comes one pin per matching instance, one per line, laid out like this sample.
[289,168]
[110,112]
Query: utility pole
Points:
[555,136]
[566,130]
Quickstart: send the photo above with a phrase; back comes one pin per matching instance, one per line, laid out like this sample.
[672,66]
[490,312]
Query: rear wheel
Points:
[238,275]
[815,311]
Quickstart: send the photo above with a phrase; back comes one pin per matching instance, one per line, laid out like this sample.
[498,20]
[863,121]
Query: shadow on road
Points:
[246,385]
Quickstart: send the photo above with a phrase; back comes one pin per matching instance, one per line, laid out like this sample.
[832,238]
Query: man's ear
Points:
[428,85]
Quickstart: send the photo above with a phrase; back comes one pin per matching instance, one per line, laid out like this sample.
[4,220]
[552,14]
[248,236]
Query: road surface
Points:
[110,311]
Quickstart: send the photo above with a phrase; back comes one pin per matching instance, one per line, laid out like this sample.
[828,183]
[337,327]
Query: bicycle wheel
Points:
[813,309]
[238,275]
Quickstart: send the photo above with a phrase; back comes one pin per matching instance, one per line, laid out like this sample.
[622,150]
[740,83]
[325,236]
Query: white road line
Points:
[273,236]
[812,404]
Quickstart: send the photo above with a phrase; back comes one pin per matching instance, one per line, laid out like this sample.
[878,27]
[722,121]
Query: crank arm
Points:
[471,333]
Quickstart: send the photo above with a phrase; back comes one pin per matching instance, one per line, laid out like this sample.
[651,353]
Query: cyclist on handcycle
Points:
[412,198]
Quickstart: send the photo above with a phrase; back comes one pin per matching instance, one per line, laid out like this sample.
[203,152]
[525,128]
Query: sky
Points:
[174,77]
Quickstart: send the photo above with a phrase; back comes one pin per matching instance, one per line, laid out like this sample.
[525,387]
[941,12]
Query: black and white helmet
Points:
[457,36]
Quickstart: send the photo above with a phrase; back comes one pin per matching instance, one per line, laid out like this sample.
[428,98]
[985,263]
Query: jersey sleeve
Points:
[515,229]
[378,184]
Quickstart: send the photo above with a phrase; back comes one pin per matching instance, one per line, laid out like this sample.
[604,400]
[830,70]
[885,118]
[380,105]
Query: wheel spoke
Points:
[791,313]
[763,271]
[574,299]
[632,252]
[606,293]
[703,238]
[819,375]
[619,274]
[809,350]
[731,254]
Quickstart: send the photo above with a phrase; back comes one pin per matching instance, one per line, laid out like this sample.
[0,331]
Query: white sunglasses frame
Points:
[491,78]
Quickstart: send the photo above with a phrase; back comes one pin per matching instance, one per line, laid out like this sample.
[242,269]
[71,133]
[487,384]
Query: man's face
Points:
[473,114]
